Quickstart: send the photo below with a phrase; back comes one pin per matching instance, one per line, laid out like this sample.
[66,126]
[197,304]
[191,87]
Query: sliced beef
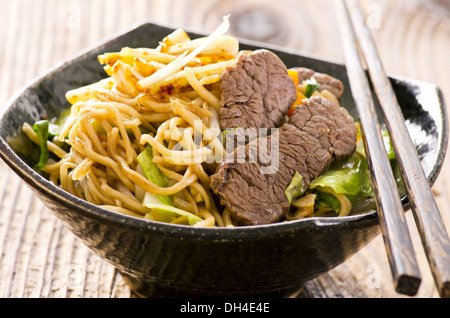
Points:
[329,123]
[326,81]
[257,92]
[318,132]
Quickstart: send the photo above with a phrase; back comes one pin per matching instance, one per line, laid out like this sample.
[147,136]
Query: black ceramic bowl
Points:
[174,260]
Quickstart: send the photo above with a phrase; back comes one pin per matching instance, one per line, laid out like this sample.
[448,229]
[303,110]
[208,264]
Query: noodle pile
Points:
[166,98]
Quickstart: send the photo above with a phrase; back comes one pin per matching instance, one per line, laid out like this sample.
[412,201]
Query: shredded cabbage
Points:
[350,177]
[168,214]
[41,129]
[296,188]
[153,174]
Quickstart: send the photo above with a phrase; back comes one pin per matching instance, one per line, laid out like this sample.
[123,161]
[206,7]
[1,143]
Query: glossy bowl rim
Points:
[53,192]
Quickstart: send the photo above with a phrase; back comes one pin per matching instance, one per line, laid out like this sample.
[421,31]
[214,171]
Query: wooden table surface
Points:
[40,258]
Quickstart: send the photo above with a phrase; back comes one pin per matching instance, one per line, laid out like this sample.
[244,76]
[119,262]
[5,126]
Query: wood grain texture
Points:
[40,258]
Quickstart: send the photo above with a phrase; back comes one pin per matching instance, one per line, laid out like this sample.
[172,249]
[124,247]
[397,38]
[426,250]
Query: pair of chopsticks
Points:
[358,45]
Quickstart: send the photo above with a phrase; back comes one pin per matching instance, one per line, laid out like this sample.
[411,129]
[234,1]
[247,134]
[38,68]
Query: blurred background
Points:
[40,258]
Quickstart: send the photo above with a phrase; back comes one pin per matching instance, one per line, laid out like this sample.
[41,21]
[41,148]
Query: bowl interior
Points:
[421,103]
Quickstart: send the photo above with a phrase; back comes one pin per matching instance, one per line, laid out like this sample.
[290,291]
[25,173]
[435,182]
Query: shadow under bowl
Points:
[163,260]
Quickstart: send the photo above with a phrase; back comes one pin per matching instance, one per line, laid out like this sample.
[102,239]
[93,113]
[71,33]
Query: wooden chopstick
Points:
[399,247]
[423,205]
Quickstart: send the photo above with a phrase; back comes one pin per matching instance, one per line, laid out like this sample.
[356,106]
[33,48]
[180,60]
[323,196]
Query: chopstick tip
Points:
[445,290]
[408,285]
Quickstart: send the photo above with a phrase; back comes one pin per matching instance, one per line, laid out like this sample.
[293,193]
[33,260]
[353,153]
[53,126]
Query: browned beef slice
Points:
[319,132]
[326,81]
[329,123]
[257,92]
